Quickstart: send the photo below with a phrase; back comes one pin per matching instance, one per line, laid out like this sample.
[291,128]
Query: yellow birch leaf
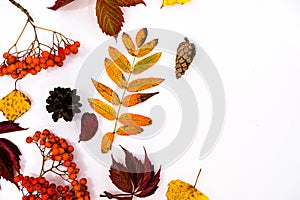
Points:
[179,190]
[141,37]
[146,63]
[115,73]
[129,130]
[107,93]
[173,2]
[119,59]
[128,43]
[102,108]
[143,84]
[135,119]
[134,99]
[146,48]
[107,141]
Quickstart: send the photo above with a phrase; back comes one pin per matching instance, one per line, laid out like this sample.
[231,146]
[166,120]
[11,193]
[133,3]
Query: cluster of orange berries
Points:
[59,153]
[19,67]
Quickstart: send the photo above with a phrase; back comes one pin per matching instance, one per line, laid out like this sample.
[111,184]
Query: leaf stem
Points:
[197,177]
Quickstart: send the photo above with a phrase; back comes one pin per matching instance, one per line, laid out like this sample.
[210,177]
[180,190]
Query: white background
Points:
[255,46]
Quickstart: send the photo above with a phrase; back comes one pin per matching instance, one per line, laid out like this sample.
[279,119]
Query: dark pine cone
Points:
[186,52]
[64,103]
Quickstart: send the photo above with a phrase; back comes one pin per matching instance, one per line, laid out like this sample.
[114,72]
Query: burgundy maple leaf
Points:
[9,160]
[8,126]
[135,178]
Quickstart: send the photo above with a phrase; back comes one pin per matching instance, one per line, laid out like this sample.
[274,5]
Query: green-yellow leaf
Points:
[107,93]
[146,48]
[115,73]
[146,63]
[119,59]
[107,141]
[129,130]
[173,2]
[128,43]
[141,37]
[102,108]
[134,99]
[143,84]
[134,119]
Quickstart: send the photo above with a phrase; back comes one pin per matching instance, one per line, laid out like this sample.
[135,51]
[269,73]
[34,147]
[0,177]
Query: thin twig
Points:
[22,9]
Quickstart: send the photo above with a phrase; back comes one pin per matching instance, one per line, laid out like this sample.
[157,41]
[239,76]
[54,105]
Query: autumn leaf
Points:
[146,63]
[134,99]
[146,48]
[135,178]
[110,16]
[89,126]
[107,141]
[173,2]
[135,119]
[128,43]
[102,108]
[60,3]
[106,92]
[143,84]
[8,126]
[9,160]
[119,59]
[115,73]
[129,130]
[141,37]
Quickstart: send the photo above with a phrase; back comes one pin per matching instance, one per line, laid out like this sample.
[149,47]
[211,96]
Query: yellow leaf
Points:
[141,37]
[129,130]
[102,108]
[115,73]
[119,59]
[143,84]
[107,141]
[179,190]
[135,119]
[146,48]
[128,43]
[173,2]
[107,93]
[146,63]
[134,99]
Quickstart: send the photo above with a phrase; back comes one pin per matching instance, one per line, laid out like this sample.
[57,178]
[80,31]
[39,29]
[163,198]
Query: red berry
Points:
[29,139]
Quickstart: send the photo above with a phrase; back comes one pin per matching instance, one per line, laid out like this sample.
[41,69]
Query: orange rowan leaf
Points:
[119,59]
[135,119]
[146,48]
[102,108]
[134,99]
[115,73]
[129,130]
[107,141]
[107,93]
[128,43]
[143,84]
[141,37]
[146,63]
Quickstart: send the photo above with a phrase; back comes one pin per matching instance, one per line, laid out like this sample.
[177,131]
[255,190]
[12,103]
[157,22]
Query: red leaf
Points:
[127,3]
[60,3]
[89,126]
[7,126]
[134,178]
[9,160]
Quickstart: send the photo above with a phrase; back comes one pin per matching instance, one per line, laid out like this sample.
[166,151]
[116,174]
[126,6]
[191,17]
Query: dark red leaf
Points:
[89,126]
[151,187]
[7,126]
[9,160]
[127,3]
[60,3]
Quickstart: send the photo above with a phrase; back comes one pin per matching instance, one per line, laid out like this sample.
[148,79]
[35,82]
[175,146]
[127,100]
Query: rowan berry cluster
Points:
[57,159]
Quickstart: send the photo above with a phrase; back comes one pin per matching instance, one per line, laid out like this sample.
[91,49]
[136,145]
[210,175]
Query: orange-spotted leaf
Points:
[128,43]
[107,93]
[143,84]
[119,59]
[146,48]
[146,63]
[134,99]
[115,73]
[129,130]
[102,108]
[135,119]
[107,141]
[141,37]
